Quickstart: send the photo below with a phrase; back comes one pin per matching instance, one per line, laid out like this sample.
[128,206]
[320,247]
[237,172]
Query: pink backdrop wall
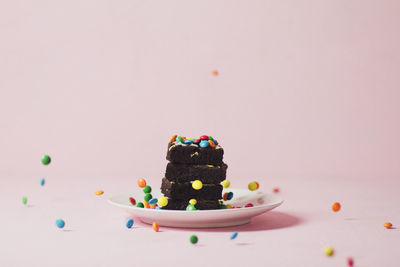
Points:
[306,88]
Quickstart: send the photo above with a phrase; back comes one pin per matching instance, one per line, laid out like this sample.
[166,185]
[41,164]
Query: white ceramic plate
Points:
[262,202]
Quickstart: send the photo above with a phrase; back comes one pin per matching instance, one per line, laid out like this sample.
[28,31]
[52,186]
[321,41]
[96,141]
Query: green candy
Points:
[191,207]
[222,207]
[210,138]
[24,200]
[147,197]
[180,139]
[46,160]
[140,205]
[147,189]
[193,239]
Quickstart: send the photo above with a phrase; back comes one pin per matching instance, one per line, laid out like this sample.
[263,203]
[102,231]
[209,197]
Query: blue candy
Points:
[204,143]
[129,223]
[158,208]
[153,201]
[188,141]
[229,196]
[215,142]
[234,235]
[60,223]
[42,181]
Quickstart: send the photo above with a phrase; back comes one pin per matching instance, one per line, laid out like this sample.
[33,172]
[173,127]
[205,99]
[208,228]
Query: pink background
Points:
[307,99]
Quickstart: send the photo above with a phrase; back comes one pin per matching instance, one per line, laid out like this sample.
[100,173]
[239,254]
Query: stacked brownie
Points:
[194,160]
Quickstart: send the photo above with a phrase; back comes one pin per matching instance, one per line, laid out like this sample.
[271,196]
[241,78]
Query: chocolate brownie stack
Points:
[194,172]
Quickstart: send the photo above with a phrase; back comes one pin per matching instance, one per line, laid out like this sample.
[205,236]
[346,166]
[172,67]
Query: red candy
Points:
[249,205]
[225,196]
[276,190]
[350,262]
[132,200]
[203,137]
[197,141]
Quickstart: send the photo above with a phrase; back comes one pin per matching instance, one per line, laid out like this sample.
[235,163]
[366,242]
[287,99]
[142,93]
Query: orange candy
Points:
[141,183]
[214,72]
[155,226]
[211,142]
[336,206]
[387,225]
[153,206]
[276,190]
[173,138]
[146,204]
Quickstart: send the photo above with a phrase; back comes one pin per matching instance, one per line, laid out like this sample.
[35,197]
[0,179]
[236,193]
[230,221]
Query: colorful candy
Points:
[222,206]
[153,206]
[197,185]
[147,189]
[350,262]
[253,186]
[132,201]
[193,201]
[163,201]
[146,204]
[229,196]
[179,139]
[140,205]
[234,235]
[387,225]
[204,137]
[99,192]
[46,160]
[336,206]
[211,142]
[190,207]
[60,223]
[204,143]
[153,201]
[155,226]
[147,197]
[229,206]
[225,183]
[249,205]
[24,200]
[141,183]
[214,72]
[42,182]
[129,223]
[276,190]
[193,239]
[328,251]
[173,138]
[188,141]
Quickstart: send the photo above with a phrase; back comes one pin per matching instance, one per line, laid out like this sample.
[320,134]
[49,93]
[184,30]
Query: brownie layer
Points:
[185,191]
[193,154]
[174,204]
[208,174]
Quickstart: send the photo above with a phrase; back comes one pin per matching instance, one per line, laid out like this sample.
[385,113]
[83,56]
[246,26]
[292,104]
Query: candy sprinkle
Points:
[276,190]
[336,206]
[214,72]
[155,226]
[190,207]
[204,144]
[42,182]
[197,185]
[163,201]
[193,201]
[225,183]
[249,205]
[173,138]
[129,223]
[132,201]
[253,186]
[148,197]
[146,204]
[99,192]
[350,262]
[140,205]
[60,223]
[193,239]
[24,200]
[147,189]
[387,225]
[234,235]
[328,251]
[153,201]
[46,160]
[141,183]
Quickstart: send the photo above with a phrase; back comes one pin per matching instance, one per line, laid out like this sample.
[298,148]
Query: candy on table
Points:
[24,200]
[276,190]
[253,186]
[46,160]
[140,205]
[225,183]
[197,185]
[153,201]
[193,239]
[141,183]
[99,192]
[190,207]
[155,226]
[387,225]
[249,205]
[328,251]
[204,143]
[350,262]
[42,182]
[132,201]
[214,72]
[234,235]
[129,223]
[60,223]
[193,201]
[147,189]
[336,206]
[148,197]
[163,201]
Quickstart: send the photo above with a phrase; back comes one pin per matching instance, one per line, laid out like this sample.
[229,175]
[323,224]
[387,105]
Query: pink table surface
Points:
[292,235]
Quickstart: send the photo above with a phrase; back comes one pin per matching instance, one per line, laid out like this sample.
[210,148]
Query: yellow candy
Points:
[99,192]
[197,185]
[253,186]
[163,201]
[228,206]
[225,183]
[193,201]
[328,251]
